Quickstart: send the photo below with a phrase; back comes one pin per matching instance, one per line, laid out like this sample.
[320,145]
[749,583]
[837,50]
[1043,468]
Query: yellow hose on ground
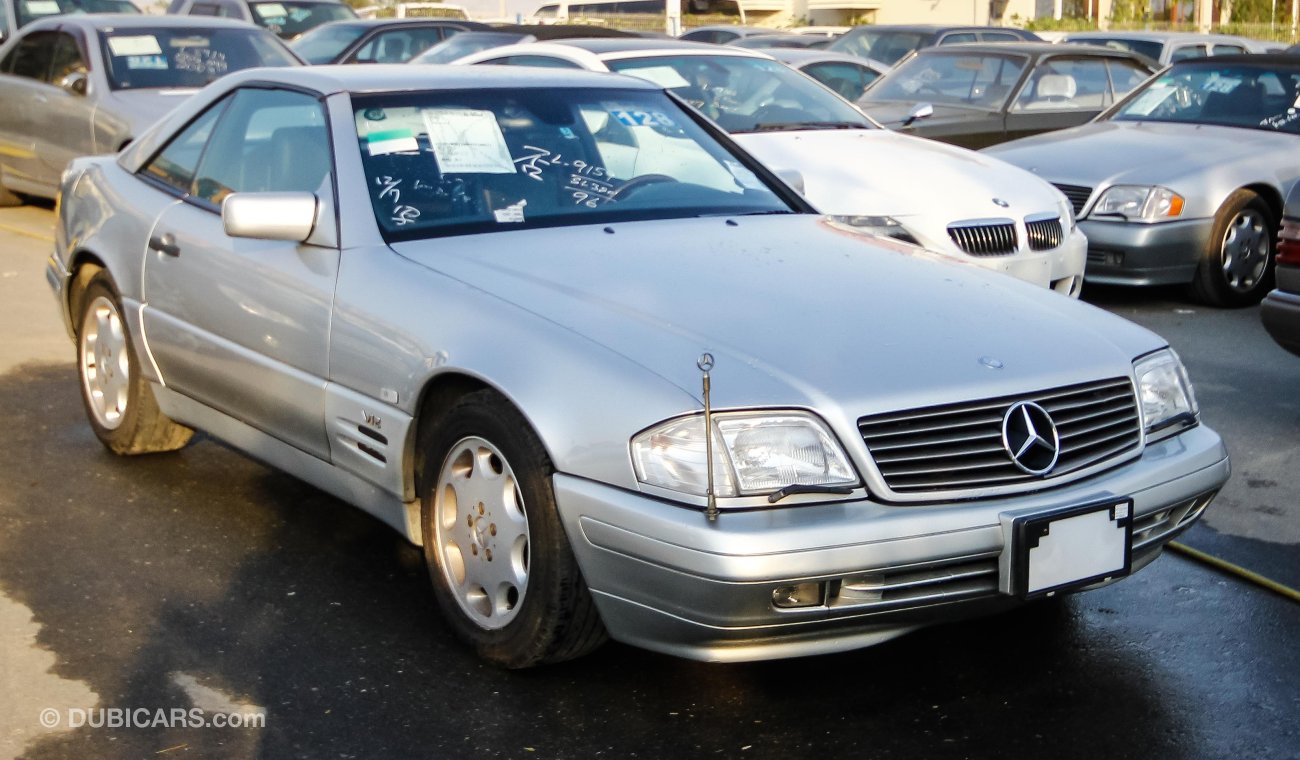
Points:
[1236,570]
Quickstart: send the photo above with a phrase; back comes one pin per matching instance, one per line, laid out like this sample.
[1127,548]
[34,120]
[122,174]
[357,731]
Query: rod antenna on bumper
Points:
[705,363]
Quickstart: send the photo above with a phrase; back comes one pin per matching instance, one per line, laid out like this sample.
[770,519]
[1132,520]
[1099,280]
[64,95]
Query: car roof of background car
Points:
[732,28]
[1253,60]
[804,56]
[559,31]
[106,21]
[371,23]
[935,28]
[639,44]
[1154,36]
[1032,48]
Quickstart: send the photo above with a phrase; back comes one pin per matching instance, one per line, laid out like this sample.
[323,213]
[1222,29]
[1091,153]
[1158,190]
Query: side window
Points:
[269,141]
[959,37]
[67,59]
[1187,51]
[204,9]
[1124,76]
[176,163]
[1226,49]
[32,57]
[998,37]
[1063,84]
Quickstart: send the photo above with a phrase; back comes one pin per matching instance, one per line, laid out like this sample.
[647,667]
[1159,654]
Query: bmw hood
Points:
[1137,152]
[880,173]
[797,311]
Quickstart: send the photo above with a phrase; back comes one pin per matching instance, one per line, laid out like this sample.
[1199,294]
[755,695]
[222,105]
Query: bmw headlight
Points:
[754,453]
[1139,203]
[1164,393]
[883,226]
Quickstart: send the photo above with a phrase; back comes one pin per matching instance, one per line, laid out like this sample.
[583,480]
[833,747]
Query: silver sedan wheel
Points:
[481,532]
[104,363]
[1245,250]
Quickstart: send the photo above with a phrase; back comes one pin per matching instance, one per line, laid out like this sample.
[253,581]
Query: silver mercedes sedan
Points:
[612,391]
[80,85]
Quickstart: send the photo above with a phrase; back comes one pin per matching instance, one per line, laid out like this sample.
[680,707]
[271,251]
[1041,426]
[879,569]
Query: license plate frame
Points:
[1044,565]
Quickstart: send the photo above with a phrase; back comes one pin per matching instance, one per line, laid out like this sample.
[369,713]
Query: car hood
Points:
[796,310]
[892,113]
[877,172]
[140,109]
[1137,152]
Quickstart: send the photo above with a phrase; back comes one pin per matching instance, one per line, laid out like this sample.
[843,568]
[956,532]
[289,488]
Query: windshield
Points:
[1148,48]
[464,44]
[746,94]
[882,45]
[1236,96]
[324,43]
[290,18]
[30,10]
[492,159]
[982,80]
[179,57]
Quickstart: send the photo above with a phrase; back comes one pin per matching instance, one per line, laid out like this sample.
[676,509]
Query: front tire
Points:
[1236,266]
[502,570]
[121,408]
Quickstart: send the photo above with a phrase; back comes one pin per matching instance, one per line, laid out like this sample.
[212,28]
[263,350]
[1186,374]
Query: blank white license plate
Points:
[1073,548]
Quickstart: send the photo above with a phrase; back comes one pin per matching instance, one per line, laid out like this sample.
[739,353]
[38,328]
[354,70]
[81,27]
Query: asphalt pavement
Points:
[204,580]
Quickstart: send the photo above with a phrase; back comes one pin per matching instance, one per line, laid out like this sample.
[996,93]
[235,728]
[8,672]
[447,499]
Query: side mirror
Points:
[270,216]
[919,111]
[75,83]
[792,177]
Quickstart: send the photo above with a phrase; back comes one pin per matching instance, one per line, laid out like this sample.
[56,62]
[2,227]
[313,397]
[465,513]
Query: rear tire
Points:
[502,570]
[1236,267]
[119,404]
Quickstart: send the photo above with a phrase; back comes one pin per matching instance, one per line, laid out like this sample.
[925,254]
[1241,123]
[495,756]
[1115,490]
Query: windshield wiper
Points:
[787,126]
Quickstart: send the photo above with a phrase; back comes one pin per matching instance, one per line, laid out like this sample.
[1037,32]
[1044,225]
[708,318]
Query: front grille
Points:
[958,447]
[1077,194]
[1044,235]
[996,239]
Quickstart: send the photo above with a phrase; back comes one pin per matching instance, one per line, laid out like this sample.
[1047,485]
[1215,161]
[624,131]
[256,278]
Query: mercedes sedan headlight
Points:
[1165,394]
[1068,221]
[754,453]
[883,226]
[1139,203]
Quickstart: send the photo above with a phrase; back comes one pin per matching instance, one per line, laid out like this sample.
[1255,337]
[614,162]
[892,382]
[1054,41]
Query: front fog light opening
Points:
[799,595]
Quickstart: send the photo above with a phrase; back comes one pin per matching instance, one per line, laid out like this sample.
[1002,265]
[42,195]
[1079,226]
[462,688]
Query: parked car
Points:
[946,199]
[388,40]
[720,34]
[848,75]
[981,95]
[1182,182]
[1171,47]
[480,307]
[15,14]
[86,84]
[765,41]
[467,43]
[1280,310]
[891,43]
[287,18]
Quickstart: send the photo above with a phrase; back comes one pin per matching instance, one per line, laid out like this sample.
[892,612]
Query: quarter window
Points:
[175,165]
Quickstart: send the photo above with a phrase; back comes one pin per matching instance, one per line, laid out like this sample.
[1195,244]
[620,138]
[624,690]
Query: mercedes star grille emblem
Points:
[1030,437]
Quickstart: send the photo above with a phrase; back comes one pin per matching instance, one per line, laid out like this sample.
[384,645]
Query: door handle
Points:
[165,244]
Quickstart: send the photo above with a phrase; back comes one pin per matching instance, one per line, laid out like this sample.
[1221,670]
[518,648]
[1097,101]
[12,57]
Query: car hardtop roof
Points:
[649,45]
[1254,60]
[1028,48]
[799,56]
[104,21]
[397,77]
[369,23]
[933,28]
[1151,36]
[559,31]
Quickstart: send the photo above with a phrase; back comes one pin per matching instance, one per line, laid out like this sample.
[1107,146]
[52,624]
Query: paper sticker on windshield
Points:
[271,10]
[146,62]
[664,76]
[643,119]
[42,7]
[392,141]
[467,141]
[513,213]
[139,44]
[189,42]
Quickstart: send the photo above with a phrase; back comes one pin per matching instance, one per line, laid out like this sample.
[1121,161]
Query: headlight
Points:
[754,453]
[1164,392]
[884,226]
[1137,202]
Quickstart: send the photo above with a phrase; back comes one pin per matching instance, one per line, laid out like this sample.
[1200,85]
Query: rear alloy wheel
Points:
[119,404]
[502,570]
[1236,267]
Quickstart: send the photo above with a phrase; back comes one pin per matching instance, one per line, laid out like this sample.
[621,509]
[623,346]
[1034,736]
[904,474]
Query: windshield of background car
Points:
[185,57]
[982,80]
[290,19]
[30,10]
[447,163]
[324,43]
[745,94]
[464,44]
[881,45]
[1148,48]
[1230,95]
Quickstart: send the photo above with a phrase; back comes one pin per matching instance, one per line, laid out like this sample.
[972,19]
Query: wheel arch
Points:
[1272,197]
[436,396]
[83,265]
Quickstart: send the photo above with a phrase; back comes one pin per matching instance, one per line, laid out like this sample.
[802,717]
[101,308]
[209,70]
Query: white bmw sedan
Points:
[612,389]
[942,197]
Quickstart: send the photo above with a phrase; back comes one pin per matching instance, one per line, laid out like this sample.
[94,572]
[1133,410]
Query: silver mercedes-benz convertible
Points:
[470,302]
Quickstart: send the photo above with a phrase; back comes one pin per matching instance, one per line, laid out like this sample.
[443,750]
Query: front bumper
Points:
[1280,311]
[666,579]
[1124,253]
[1060,268]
